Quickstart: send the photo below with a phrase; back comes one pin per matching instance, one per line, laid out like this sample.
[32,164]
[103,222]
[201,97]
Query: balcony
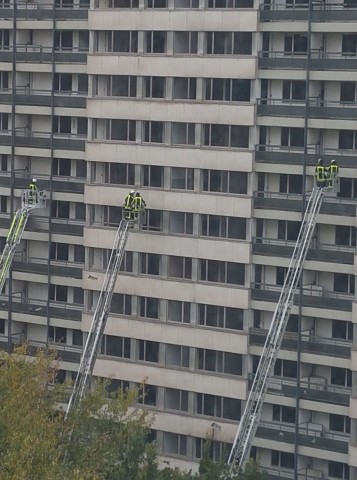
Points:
[309,343]
[321,60]
[293,203]
[280,154]
[312,296]
[332,109]
[321,252]
[316,389]
[43,11]
[35,265]
[282,60]
[22,178]
[42,54]
[281,108]
[43,98]
[25,137]
[39,307]
[321,12]
[279,473]
[309,435]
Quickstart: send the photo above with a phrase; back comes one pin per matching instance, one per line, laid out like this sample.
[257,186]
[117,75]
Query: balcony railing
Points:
[44,11]
[313,296]
[30,138]
[24,263]
[279,473]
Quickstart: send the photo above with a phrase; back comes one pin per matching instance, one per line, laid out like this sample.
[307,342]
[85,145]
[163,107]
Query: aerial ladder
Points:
[93,342]
[251,416]
[30,200]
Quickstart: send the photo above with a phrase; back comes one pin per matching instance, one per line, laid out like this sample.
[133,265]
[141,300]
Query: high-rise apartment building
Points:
[217,111]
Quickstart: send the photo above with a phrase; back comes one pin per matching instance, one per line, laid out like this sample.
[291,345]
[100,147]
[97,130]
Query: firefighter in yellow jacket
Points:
[128,205]
[331,173]
[320,174]
[138,204]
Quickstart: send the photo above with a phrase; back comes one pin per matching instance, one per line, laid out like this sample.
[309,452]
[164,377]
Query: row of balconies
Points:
[40,224]
[319,60]
[62,184]
[43,11]
[25,137]
[43,98]
[41,54]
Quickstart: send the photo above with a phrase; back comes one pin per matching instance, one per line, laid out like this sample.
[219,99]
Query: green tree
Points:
[36,442]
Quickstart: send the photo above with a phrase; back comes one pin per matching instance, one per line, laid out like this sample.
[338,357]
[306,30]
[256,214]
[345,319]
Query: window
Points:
[295,44]
[4,80]
[175,444]
[82,126]
[80,211]
[127,263]
[183,133]
[149,263]
[222,272]
[340,423]
[219,362]
[288,230]
[227,89]
[292,137]
[123,130]
[224,182]
[285,368]
[121,304]
[348,92]
[153,221]
[152,176]
[224,227]
[341,376]
[178,311]
[180,267]
[181,223]
[226,135]
[116,346]
[2,326]
[285,414]
[185,42]
[347,140]
[290,183]
[155,42]
[57,334]
[122,41]
[119,173]
[344,283]
[157,3]
[230,3]
[126,4]
[184,88]
[83,41]
[154,131]
[349,44]
[3,163]
[185,4]
[228,43]
[348,188]
[182,178]
[339,470]
[282,459]
[220,317]
[62,82]
[149,307]
[63,40]
[61,167]
[4,39]
[112,216]
[59,251]
[61,125]
[148,351]
[81,168]
[148,395]
[345,236]
[176,399]
[4,121]
[219,451]
[115,85]
[59,209]
[220,407]
[294,90]
[154,87]
[58,293]
[177,356]
[116,387]
[3,204]
[342,329]
[77,338]
[82,83]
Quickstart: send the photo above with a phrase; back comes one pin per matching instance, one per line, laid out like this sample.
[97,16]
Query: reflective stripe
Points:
[128,201]
[320,172]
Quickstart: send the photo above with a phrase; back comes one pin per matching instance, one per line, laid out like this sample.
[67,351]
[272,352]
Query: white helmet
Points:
[34,180]
[132,192]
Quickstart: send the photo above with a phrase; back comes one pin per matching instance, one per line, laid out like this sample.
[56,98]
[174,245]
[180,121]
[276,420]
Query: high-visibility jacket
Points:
[128,201]
[320,173]
[333,170]
[138,203]
[32,186]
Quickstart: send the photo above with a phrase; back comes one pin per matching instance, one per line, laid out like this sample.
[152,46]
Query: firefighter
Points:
[320,174]
[331,172]
[33,191]
[128,205]
[138,204]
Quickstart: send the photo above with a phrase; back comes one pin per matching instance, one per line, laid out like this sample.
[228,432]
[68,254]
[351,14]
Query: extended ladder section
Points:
[93,343]
[251,415]
[29,200]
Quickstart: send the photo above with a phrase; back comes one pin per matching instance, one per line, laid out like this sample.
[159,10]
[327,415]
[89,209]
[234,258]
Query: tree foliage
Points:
[36,442]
